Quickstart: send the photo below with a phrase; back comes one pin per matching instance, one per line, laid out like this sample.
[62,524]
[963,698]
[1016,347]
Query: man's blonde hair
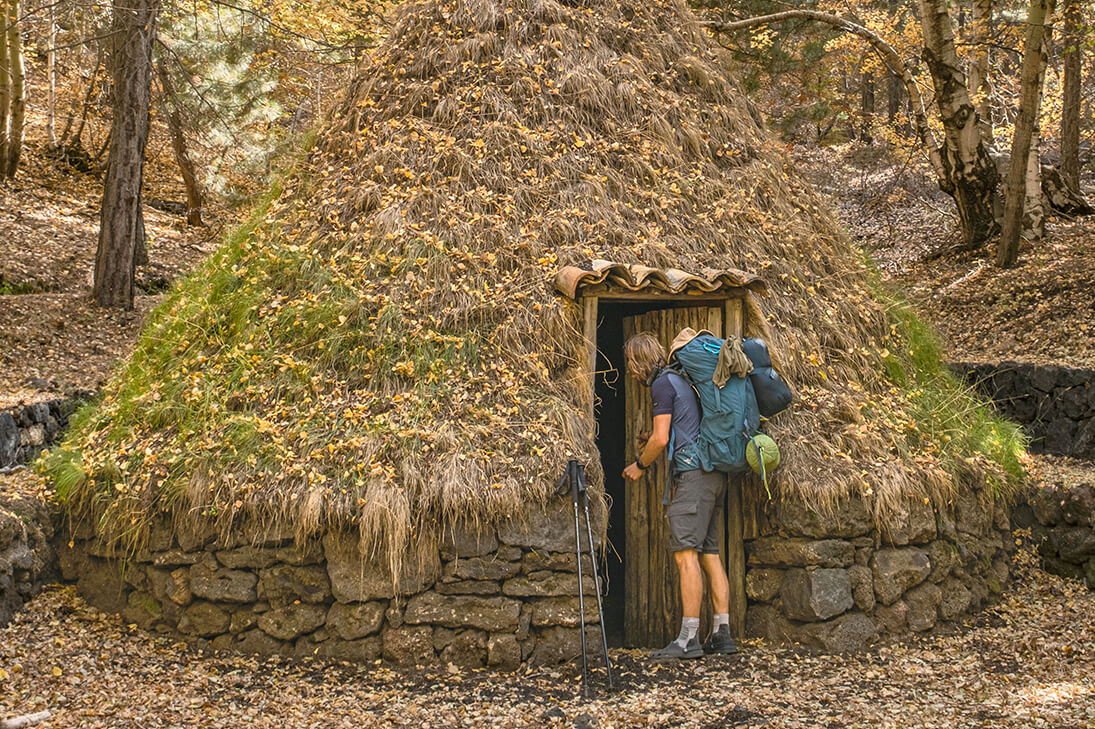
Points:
[644,355]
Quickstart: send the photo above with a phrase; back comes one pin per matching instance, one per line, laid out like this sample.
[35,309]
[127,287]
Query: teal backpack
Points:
[730,413]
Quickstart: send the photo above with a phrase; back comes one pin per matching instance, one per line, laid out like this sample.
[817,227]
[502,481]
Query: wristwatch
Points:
[639,464]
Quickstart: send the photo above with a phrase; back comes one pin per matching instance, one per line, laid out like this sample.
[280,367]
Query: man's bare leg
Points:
[720,586]
[688,565]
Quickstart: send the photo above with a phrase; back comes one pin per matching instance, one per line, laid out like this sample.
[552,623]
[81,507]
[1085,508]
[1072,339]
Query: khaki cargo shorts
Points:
[694,510]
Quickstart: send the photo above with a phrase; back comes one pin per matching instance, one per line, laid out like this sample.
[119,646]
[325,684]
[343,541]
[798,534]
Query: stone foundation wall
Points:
[26,559]
[27,430]
[499,598]
[1055,405]
[837,584]
[1062,521]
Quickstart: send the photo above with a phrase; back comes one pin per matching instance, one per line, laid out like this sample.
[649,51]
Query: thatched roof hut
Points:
[384,347]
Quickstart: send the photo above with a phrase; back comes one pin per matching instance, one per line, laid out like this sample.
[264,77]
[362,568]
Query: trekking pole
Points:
[596,577]
[572,478]
[572,471]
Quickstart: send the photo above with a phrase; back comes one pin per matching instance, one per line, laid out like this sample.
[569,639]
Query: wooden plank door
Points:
[652,604]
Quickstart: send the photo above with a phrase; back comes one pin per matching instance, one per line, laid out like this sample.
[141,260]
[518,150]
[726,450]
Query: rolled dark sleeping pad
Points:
[773,395]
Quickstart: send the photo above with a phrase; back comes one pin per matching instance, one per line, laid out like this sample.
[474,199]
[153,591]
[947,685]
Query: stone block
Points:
[204,619]
[354,621]
[220,584]
[173,585]
[495,614]
[503,652]
[559,645]
[256,641]
[363,650]
[547,584]
[547,529]
[469,587]
[100,583]
[308,552]
[247,557]
[784,552]
[479,568]
[923,601]
[555,562]
[914,525]
[943,557]
[862,580]
[763,583]
[286,583]
[462,540]
[892,619]
[974,511]
[846,634]
[1073,544]
[954,599]
[355,578]
[816,594]
[242,620]
[142,609]
[769,623]
[896,570]
[409,645]
[468,648]
[563,611]
[290,621]
[849,519]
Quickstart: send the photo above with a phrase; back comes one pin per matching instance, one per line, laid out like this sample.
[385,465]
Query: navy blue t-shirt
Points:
[672,395]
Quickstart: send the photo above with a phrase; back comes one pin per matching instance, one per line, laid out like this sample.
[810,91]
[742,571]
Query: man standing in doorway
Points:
[696,501]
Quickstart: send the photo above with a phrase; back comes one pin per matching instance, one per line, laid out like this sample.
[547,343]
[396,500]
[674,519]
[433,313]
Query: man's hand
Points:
[632,472]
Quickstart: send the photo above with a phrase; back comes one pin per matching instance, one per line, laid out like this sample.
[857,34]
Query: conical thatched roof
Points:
[384,346]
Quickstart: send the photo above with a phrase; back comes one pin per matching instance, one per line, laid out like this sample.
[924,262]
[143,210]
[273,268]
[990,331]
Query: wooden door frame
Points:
[733,318]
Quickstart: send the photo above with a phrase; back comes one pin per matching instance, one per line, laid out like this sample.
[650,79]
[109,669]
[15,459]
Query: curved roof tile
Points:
[570,280]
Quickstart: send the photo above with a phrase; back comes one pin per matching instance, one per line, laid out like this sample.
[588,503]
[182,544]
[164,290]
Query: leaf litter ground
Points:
[1028,661]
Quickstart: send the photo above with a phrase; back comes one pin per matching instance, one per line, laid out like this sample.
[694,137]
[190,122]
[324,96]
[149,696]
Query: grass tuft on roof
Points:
[381,346]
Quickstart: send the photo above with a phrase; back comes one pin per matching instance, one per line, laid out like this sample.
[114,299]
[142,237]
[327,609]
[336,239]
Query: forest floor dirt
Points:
[50,329]
[1027,661]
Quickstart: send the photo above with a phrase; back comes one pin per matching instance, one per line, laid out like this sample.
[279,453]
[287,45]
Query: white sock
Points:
[690,627]
[720,620]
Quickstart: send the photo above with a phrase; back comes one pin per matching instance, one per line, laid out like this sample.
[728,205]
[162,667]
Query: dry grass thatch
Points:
[383,346]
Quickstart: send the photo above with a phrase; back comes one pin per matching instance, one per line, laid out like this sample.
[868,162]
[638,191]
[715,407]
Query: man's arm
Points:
[654,447]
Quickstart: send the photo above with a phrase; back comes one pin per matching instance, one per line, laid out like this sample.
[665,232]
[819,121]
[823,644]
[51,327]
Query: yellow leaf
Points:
[56,671]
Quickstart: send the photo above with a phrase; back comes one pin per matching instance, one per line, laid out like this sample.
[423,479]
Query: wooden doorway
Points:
[650,604]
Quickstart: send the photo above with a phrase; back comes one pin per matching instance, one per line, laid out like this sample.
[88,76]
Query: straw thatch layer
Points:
[385,348]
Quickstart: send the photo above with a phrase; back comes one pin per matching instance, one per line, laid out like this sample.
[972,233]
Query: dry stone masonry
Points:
[836,583]
[1062,520]
[1055,405]
[26,559]
[496,598]
[28,429]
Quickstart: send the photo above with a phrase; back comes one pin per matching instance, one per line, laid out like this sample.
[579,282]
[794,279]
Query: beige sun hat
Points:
[684,336]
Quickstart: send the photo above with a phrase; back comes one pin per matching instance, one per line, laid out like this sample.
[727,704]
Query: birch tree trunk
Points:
[133,33]
[1030,99]
[970,175]
[10,162]
[51,75]
[1073,53]
[5,87]
[980,83]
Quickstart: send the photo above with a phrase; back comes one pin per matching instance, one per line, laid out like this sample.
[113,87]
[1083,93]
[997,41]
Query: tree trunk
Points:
[1073,53]
[5,87]
[10,163]
[1030,99]
[866,99]
[980,84]
[893,98]
[178,144]
[51,76]
[970,174]
[133,33]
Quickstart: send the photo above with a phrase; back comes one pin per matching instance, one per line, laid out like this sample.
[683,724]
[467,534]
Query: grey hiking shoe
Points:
[674,651]
[720,642]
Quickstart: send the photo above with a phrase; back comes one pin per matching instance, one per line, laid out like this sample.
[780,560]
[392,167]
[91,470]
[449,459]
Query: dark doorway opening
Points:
[611,414]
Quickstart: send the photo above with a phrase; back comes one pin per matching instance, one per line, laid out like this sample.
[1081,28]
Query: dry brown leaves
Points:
[1030,661]
[49,328]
